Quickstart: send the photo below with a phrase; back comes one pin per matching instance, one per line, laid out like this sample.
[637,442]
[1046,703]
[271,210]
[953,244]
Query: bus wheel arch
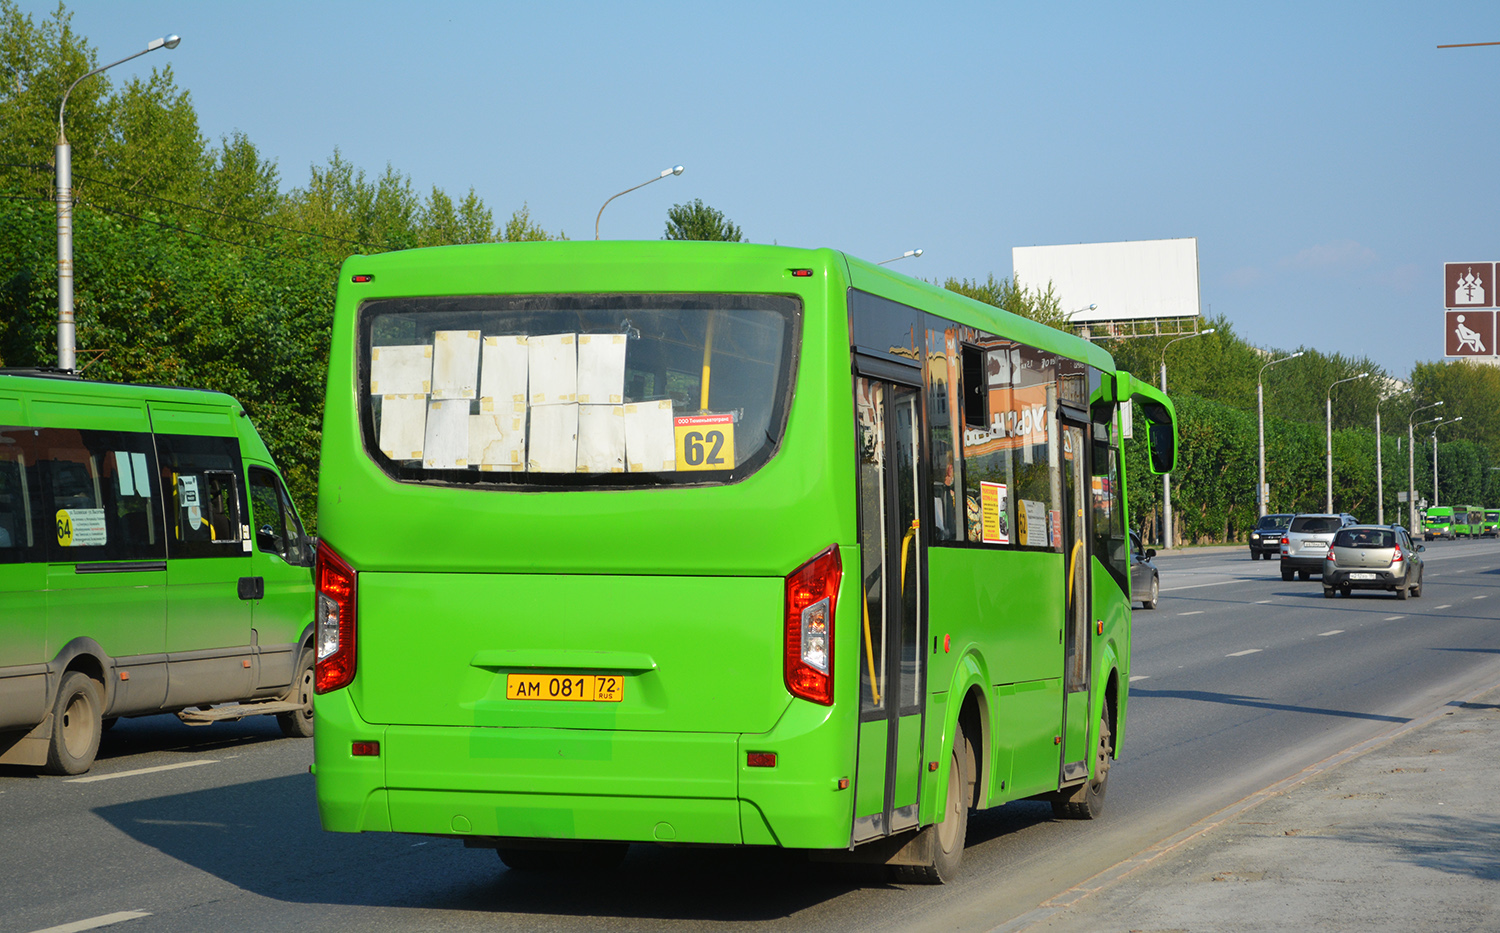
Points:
[974,729]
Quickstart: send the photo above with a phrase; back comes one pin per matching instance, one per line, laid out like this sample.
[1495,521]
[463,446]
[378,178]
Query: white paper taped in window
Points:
[497,439]
[446,443]
[502,369]
[553,365]
[142,476]
[552,446]
[455,364]
[650,443]
[123,473]
[403,426]
[601,369]
[401,370]
[601,438]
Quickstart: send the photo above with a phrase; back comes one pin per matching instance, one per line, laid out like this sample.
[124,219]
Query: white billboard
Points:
[1123,281]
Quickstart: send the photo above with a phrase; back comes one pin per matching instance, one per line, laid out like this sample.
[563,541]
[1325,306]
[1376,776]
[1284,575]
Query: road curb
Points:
[1119,871]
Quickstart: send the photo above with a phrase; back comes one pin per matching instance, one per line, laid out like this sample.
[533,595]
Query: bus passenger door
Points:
[1076,640]
[892,621]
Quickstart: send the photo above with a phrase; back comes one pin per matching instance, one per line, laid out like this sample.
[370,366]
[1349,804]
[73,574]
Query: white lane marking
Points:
[1195,612]
[1262,602]
[119,774]
[1240,654]
[1337,631]
[1392,618]
[1196,586]
[1481,597]
[94,923]
[1136,677]
[1449,606]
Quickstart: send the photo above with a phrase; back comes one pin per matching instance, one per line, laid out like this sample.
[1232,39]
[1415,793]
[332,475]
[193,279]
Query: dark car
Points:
[1373,557]
[1265,540]
[1145,582]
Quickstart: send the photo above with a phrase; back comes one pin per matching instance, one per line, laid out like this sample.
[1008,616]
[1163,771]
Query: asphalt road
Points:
[1239,679]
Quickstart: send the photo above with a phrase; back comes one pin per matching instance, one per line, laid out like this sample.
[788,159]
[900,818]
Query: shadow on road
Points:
[264,837]
[1232,699]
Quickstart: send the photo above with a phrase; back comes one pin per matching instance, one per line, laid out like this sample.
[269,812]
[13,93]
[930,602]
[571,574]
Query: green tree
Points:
[698,221]
[1010,295]
[520,228]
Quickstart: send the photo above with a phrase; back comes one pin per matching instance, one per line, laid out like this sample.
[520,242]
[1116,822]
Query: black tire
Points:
[587,857]
[76,725]
[949,836]
[1255,555]
[1151,601]
[299,725]
[1401,592]
[1327,592]
[1086,802]
[1286,574]
[1416,590]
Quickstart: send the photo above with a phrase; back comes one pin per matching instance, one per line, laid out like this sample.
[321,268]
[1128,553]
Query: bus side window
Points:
[200,483]
[97,491]
[16,535]
[1110,543]
[277,530]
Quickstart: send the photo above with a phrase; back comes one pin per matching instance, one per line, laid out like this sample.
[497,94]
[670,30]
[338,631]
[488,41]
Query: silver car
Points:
[1305,544]
[1373,557]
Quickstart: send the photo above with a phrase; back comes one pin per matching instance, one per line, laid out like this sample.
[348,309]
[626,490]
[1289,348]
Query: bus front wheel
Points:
[299,724]
[76,725]
[1086,802]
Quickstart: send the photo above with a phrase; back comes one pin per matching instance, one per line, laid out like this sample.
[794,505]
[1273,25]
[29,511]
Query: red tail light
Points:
[811,594]
[334,621]
[1397,556]
[1285,541]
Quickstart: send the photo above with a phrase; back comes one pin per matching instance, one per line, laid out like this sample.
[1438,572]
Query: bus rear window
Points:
[576,390]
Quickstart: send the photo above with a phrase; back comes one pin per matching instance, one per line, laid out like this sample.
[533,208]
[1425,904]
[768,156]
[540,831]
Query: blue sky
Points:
[1328,157]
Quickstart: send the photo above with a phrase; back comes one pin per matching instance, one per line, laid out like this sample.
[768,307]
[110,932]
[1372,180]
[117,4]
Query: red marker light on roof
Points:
[363,278]
[801,273]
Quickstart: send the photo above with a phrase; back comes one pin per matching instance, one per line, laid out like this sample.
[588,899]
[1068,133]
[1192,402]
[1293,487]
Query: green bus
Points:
[1491,527]
[130,580]
[709,543]
[1438,522]
[1468,521]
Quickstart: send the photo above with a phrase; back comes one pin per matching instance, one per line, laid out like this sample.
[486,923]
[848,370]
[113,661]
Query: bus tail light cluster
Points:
[811,594]
[334,621]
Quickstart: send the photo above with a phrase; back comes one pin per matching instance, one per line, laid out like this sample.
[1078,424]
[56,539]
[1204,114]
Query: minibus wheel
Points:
[1086,802]
[949,836]
[76,725]
[299,724]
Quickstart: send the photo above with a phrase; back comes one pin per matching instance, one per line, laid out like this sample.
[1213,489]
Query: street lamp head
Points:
[674,170]
[1209,331]
[172,41]
[1297,354]
[169,42]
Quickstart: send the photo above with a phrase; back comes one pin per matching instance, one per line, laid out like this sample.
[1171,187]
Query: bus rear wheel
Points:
[76,725]
[299,724]
[947,838]
[1086,802]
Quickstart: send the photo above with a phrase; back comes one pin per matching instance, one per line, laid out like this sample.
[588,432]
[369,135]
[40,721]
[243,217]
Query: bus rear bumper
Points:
[541,783]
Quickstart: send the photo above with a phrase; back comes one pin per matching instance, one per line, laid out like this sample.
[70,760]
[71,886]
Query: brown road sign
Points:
[1469,333]
[1468,285]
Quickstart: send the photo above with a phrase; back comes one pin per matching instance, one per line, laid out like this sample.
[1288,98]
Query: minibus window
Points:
[576,390]
[200,482]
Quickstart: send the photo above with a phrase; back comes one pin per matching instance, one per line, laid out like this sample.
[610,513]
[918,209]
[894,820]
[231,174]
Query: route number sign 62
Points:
[705,442]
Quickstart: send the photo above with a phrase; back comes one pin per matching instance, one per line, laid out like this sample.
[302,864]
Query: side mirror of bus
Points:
[1163,447]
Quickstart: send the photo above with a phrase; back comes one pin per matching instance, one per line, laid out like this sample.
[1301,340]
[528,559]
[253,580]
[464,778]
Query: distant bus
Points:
[1491,523]
[1437,522]
[702,543]
[150,561]
[1468,521]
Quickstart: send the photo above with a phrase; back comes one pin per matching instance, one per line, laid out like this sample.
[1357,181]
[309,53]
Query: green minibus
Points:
[710,543]
[130,579]
[1468,521]
[1438,522]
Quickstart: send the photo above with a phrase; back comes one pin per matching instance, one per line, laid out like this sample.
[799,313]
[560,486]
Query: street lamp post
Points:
[674,170]
[1262,492]
[1434,455]
[1380,463]
[909,254]
[1328,405]
[67,347]
[1411,464]
[1166,478]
